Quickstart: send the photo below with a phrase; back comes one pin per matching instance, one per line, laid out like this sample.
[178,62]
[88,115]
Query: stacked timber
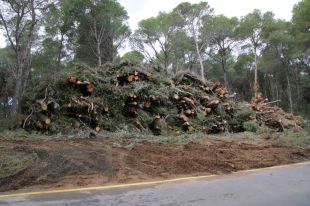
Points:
[138,98]
[274,117]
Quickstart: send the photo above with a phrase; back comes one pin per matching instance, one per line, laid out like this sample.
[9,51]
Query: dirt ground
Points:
[52,163]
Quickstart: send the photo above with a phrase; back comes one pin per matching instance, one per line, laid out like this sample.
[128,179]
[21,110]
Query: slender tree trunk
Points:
[286,63]
[18,87]
[166,61]
[277,93]
[273,88]
[223,63]
[108,52]
[225,76]
[23,71]
[226,80]
[265,88]
[289,92]
[297,83]
[99,54]
[60,51]
[17,94]
[202,70]
[22,46]
[256,85]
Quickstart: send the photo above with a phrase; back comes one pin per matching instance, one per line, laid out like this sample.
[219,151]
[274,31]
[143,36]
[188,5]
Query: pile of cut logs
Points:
[85,87]
[41,113]
[274,117]
[186,109]
[131,105]
[133,76]
[189,102]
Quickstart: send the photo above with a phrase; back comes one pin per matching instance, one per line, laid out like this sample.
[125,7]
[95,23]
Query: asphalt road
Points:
[287,186]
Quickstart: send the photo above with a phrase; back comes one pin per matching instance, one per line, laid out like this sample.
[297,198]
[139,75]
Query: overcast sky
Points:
[141,9]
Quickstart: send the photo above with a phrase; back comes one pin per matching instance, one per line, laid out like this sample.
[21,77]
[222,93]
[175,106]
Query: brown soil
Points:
[85,162]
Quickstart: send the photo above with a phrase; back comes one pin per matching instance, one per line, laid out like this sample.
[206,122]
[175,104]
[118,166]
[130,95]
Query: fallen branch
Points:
[276,101]
[25,122]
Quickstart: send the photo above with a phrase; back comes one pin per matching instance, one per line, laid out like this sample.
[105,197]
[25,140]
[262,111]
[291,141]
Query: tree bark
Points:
[22,46]
[277,92]
[60,51]
[226,80]
[99,54]
[166,62]
[202,70]
[17,95]
[256,85]
[23,71]
[289,92]
[223,63]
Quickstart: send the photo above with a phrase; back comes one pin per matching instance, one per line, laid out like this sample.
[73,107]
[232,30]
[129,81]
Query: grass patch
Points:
[300,138]
[13,163]
[181,139]
[18,133]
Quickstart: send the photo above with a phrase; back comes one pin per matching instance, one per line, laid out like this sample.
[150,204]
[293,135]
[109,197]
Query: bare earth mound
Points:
[84,162]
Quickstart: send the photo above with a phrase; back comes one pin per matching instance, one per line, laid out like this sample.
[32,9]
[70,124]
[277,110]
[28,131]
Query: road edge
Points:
[146,183]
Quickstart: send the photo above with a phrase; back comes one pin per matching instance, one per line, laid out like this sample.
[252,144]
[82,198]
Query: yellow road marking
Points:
[142,183]
[105,187]
[273,167]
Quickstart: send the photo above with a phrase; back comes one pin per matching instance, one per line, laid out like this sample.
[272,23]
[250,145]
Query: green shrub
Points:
[11,123]
[251,126]
[244,113]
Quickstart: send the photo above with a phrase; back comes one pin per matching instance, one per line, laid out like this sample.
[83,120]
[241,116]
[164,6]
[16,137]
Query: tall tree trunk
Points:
[226,80]
[60,51]
[277,93]
[23,71]
[21,44]
[202,70]
[256,85]
[166,63]
[17,94]
[289,92]
[286,66]
[107,52]
[270,88]
[18,86]
[297,83]
[223,63]
[99,54]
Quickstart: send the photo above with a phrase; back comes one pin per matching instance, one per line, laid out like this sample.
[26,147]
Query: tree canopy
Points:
[256,51]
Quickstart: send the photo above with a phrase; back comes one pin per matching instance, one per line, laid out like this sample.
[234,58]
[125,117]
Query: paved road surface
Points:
[288,186]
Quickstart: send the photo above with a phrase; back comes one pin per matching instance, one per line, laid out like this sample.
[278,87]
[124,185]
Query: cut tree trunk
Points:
[155,125]
[43,122]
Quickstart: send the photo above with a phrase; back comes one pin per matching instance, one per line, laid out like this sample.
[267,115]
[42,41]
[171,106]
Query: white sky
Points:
[141,9]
